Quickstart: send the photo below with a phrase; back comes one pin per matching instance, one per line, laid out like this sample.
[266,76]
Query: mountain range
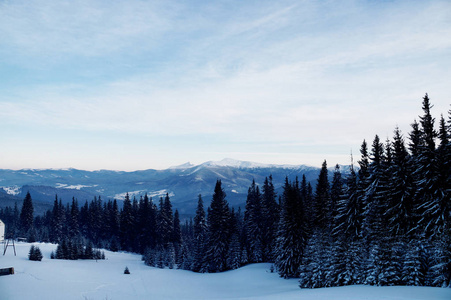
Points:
[183,183]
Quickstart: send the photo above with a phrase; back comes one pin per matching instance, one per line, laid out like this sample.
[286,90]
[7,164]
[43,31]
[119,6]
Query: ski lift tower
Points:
[5,241]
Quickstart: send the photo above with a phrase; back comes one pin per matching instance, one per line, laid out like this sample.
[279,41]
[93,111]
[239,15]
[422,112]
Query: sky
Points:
[132,85]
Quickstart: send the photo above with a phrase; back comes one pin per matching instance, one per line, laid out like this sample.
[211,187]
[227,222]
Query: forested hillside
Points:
[387,223]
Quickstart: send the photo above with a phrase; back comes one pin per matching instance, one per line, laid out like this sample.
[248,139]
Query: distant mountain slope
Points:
[183,183]
[10,200]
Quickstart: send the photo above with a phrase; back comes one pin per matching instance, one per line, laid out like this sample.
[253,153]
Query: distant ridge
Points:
[183,182]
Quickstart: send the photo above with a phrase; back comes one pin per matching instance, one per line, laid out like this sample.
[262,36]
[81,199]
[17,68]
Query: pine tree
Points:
[400,210]
[74,228]
[336,193]
[200,235]
[112,223]
[271,213]
[253,224]
[375,206]
[177,239]
[415,139]
[293,231]
[58,220]
[126,224]
[442,203]
[147,223]
[430,198]
[350,211]
[165,223]
[346,256]
[26,215]
[320,242]
[35,253]
[322,203]
[218,221]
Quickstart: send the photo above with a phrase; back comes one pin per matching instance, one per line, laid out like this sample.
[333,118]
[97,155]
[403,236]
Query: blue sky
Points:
[130,85]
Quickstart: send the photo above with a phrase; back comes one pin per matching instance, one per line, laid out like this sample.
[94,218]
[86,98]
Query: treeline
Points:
[386,222]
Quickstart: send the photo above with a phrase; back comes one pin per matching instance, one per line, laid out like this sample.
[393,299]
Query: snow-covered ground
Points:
[60,279]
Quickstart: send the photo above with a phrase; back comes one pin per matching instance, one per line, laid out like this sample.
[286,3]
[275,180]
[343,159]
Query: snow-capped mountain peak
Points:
[240,164]
[186,165]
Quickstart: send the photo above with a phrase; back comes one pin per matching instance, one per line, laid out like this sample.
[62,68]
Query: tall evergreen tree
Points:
[218,221]
[348,235]
[177,239]
[401,192]
[293,231]
[165,221]
[375,206]
[415,139]
[322,200]
[148,223]
[58,221]
[270,212]
[429,195]
[336,193]
[253,222]
[114,225]
[74,228]
[126,224]
[200,235]
[26,215]
[320,243]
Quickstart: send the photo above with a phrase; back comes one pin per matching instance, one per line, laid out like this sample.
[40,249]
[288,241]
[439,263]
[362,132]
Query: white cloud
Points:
[286,73]
[82,27]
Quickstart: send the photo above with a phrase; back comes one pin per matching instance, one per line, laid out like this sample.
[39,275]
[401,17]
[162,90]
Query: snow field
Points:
[104,279]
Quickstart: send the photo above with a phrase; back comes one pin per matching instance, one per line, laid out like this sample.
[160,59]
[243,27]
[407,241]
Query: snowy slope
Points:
[58,279]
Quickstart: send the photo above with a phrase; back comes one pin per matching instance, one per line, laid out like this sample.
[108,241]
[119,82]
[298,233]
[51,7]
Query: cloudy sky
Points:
[136,84]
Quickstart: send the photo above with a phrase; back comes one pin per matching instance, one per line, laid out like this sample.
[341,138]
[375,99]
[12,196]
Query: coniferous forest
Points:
[385,222]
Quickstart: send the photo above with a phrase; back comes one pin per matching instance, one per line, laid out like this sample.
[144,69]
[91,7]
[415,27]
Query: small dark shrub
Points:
[35,253]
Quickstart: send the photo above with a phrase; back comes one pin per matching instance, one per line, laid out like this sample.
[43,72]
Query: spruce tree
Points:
[375,206]
[320,243]
[114,225]
[218,221]
[253,224]
[177,239]
[26,215]
[336,193]
[293,232]
[415,139]
[270,212]
[400,210]
[58,220]
[429,195]
[165,221]
[322,203]
[35,253]
[147,223]
[74,228]
[200,235]
[126,224]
